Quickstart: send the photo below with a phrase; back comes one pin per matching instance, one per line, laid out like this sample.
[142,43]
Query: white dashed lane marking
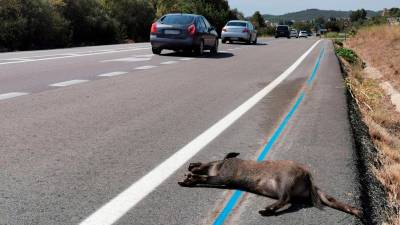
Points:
[169,62]
[112,74]
[186,59]
[145,67]
[69,55]
[68,83]
[128,59]
[12,95]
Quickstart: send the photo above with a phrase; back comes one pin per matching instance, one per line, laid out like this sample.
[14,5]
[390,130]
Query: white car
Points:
[303,33]
[239,30]
[293,33]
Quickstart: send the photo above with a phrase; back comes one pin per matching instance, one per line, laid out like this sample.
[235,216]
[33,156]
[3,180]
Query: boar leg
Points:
[271,210]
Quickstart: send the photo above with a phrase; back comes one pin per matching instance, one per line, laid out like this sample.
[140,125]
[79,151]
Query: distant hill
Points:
[311,14]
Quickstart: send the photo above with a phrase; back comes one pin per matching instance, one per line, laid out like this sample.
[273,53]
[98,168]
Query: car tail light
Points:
[153,28]
[245,30]
[192,30]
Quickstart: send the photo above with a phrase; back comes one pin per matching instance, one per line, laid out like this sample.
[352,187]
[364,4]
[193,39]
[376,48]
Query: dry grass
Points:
[379,47]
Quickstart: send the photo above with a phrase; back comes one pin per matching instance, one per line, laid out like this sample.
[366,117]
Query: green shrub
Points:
[266,31]
[348,54]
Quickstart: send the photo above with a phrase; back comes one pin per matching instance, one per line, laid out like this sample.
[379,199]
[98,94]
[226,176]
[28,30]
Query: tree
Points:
[334,25]
[258,20]
[359,15]
[134,17]
[320,21]
[395,12]
[90,22]
[236,14]
[31,24]
[306,26]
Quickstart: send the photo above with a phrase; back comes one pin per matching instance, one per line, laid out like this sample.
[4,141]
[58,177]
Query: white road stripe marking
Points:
[121,204]
[169,62]
[145,67]
[68,83]
[186,59]
[128,59]
[144,56]
[112,74]
[14,59]
[12,95]
[73,56]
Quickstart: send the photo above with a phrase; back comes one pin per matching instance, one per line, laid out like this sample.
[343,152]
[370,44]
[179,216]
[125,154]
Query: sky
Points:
[279,7]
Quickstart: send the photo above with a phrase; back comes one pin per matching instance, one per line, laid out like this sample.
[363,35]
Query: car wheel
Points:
[200,49]
[214,50]
[156,51]
[223,41]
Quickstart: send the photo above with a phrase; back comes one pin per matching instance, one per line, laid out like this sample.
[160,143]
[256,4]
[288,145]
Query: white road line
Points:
[112,74]
[145,67]
[144,56]
[169,62]
[186,59]
[121,204]
[128,59]
[68,83]
[73,56]
[12,95]
[14,59]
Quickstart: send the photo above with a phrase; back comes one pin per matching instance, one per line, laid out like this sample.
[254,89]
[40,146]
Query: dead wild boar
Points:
[285,181]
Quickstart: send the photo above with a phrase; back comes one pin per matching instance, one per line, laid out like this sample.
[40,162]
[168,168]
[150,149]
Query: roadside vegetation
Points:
[43,24]
[371,58]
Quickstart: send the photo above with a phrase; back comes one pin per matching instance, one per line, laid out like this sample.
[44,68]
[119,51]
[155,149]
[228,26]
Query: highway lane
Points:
[65,152]
[33,72]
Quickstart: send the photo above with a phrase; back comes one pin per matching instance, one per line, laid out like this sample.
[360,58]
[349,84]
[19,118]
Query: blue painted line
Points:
[228,208]
[220,220]
[310,80]
[281,127]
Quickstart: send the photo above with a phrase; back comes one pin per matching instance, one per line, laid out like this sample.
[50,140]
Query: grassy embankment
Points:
[372,60]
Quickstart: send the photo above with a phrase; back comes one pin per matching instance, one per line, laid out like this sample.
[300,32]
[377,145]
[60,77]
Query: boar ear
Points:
[232,155]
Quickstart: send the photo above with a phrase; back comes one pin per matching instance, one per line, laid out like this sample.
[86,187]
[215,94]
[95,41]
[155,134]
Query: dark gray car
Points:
[186,32]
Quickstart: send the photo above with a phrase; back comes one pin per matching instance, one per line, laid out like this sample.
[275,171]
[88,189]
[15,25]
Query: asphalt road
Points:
[94,135]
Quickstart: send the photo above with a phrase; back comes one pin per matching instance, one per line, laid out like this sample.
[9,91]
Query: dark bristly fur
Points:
[285,181]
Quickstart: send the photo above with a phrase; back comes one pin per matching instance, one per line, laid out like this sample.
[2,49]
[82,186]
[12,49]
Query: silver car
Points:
[303,33]
[293,33]
[239,30]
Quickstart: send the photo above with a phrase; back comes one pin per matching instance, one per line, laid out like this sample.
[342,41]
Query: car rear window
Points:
[177,19]
[282,28]
[236,24]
